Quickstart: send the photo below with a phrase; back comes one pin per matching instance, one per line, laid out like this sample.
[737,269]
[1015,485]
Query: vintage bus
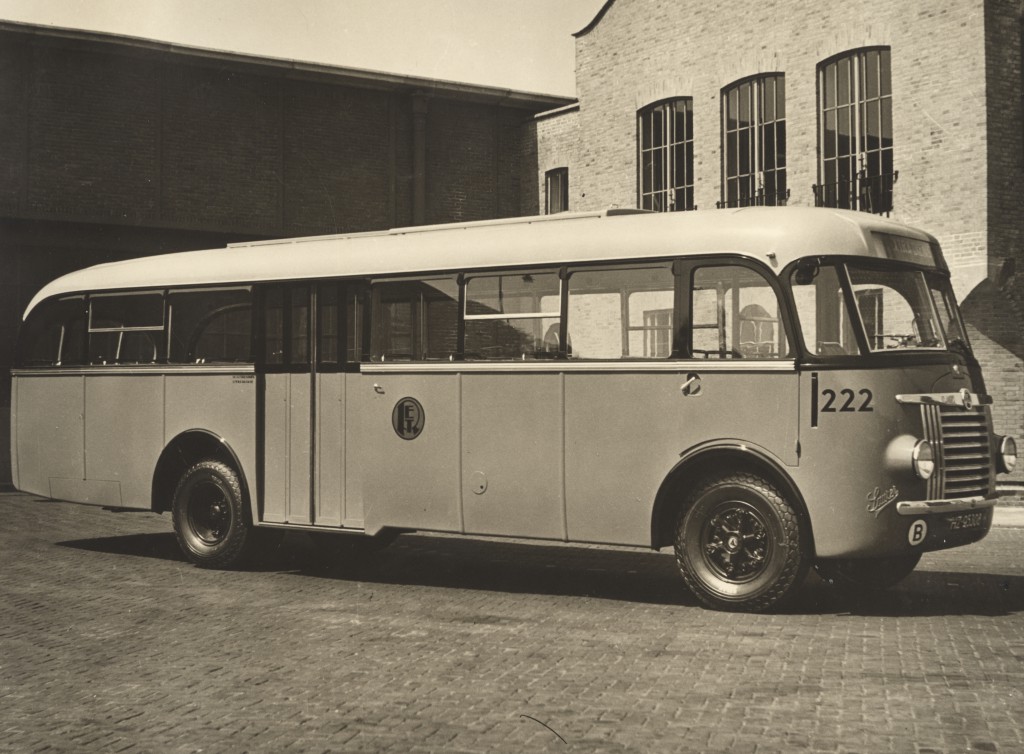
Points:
[765,390]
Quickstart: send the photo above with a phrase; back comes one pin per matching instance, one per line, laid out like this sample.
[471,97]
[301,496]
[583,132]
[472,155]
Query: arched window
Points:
[665,155]
[754,142]
[855,147]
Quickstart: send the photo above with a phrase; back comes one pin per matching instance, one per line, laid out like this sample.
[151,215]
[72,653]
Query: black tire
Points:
[868,574]
[740,545]
[210,517]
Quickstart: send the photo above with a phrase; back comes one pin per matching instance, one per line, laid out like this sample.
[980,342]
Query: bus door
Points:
[742,384]
[307,368]
[286,411]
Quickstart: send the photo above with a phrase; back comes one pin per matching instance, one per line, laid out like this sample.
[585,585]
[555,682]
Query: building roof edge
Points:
[597,19]
[377,79]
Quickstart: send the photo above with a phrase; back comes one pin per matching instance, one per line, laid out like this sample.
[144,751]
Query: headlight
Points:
[1007,455]
[924,460]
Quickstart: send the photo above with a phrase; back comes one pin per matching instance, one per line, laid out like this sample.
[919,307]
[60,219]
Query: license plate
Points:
[966,521]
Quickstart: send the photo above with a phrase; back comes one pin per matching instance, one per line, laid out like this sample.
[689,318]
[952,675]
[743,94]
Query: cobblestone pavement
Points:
[110,642]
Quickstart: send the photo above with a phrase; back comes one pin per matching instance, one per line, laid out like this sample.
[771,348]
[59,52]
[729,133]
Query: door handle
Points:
[378,389]
[692,385]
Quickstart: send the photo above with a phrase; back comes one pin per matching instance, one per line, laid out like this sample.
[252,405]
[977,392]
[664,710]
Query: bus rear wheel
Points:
[867,575]
[209,516]
[740,545]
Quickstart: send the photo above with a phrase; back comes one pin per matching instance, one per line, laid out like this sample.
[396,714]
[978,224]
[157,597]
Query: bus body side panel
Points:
[406,483]
[49,431]
[222,404]
[512,435]
[849,419]
[287,449]
[124,430]
[329,484]
[625,433]
[617,452]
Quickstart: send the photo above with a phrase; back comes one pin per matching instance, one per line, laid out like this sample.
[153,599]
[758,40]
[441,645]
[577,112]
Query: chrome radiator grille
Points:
[959,438]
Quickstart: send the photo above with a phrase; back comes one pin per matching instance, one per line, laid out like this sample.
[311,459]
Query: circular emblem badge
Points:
[407,418]
[918,532]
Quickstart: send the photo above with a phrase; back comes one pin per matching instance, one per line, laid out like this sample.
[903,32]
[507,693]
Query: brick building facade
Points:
[113,147]
[953,80]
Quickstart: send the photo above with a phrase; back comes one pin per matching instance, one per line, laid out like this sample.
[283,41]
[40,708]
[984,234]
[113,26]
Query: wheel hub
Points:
[209,513]
[736,542]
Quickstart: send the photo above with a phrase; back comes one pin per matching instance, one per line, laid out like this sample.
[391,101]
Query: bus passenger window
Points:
[735,315]
[415,320]
[210,326]
[126,328]
[513,316]
[623,313]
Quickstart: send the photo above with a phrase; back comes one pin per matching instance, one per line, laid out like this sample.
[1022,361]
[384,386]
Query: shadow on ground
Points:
[627,575]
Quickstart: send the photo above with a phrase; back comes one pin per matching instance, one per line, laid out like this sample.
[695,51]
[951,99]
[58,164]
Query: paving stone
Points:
[110,641]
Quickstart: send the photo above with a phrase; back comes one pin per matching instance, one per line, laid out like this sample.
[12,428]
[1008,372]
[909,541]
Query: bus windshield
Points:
[895,308]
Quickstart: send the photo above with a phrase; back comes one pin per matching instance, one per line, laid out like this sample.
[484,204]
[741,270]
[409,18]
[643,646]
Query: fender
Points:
[715,456]
[182,451]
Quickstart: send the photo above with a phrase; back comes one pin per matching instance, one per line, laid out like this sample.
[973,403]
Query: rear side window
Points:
[54,334]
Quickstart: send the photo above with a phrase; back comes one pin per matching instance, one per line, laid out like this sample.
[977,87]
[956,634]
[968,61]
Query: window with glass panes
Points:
[556,185]
[754,142]
[666,155]
[856,144]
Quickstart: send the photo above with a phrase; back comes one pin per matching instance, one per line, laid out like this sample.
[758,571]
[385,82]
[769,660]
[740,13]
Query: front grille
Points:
[963,463]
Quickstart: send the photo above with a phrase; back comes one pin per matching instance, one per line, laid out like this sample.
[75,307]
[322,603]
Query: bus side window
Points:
[735,315]
[415,320]
[513,316]
[621,313]
[54,334]
[212,326]
[126,328]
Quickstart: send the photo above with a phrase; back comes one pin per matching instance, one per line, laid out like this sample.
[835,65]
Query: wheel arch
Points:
[712,459]
[186,449]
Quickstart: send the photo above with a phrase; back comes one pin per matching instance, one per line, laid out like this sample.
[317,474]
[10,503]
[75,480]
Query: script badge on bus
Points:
[407,418]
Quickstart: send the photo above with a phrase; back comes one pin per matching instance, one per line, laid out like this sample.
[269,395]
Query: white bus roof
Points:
[773,235]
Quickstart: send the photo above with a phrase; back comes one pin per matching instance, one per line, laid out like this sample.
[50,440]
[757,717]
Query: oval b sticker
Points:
[407,418]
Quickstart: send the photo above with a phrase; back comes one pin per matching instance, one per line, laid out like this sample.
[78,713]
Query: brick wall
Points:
[111,133]
[337,143]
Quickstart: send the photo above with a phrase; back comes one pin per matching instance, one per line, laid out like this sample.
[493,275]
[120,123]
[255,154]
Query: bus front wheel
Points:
[867,575]
[209,516]
[740,545]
